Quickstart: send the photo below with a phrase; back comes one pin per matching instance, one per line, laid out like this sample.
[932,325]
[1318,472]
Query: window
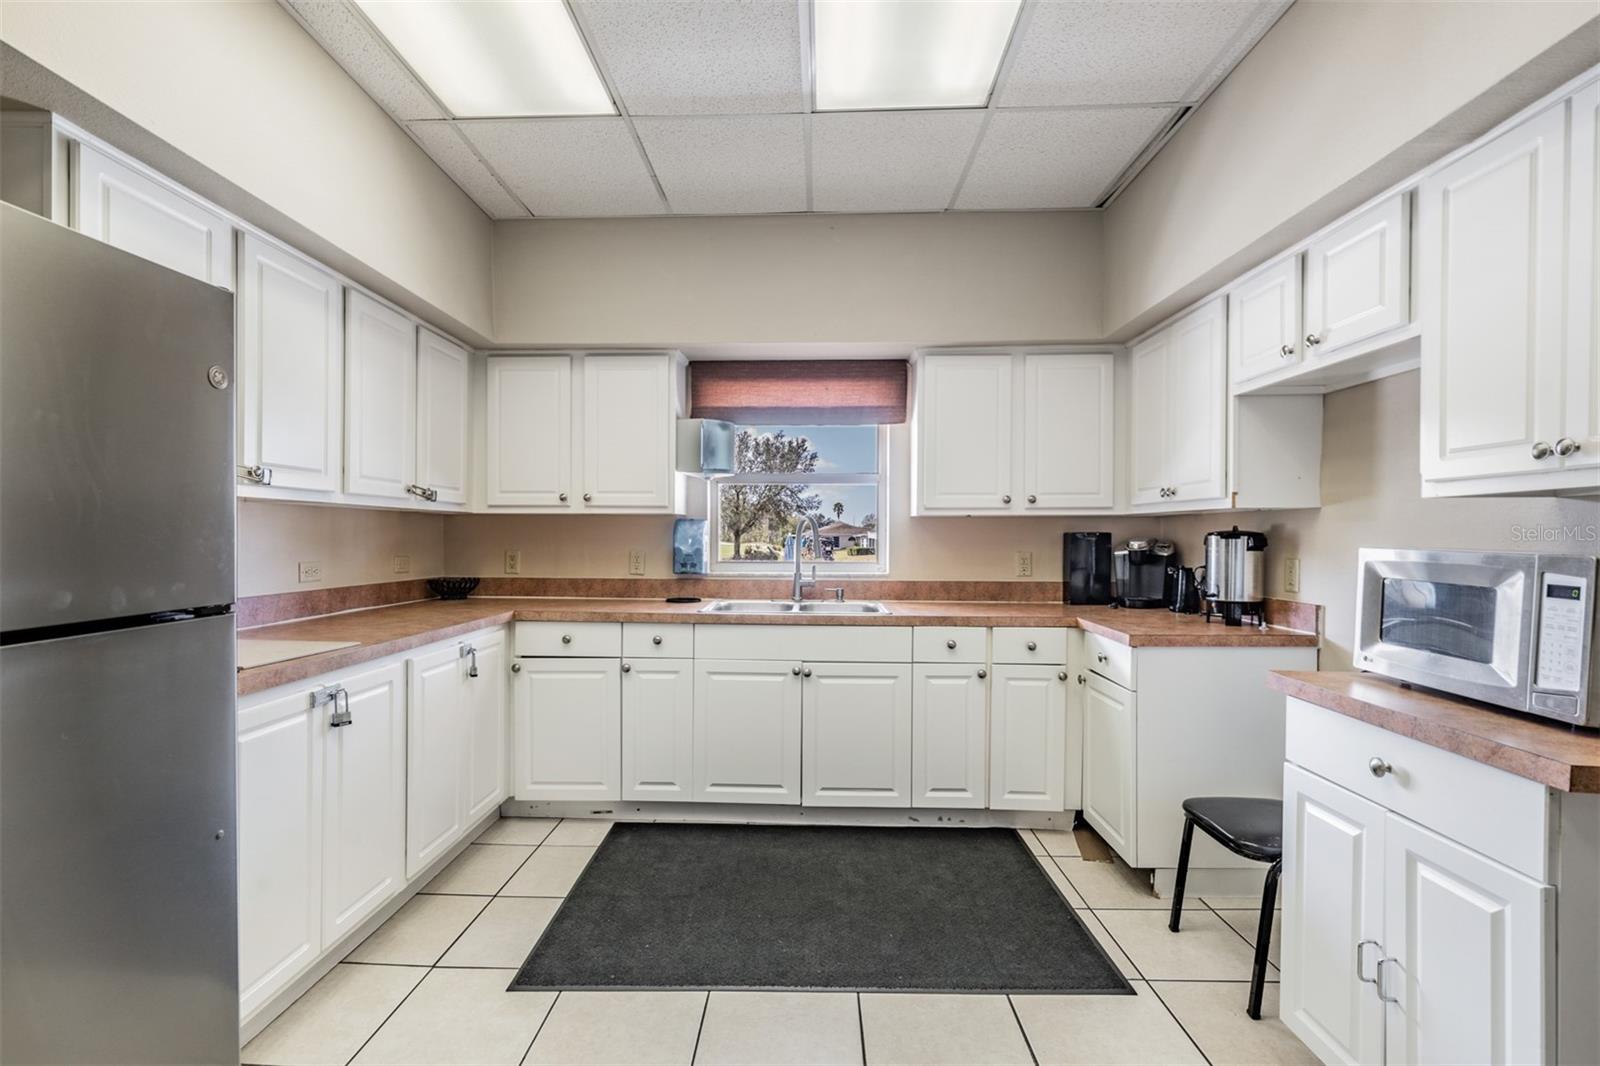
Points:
[832,473]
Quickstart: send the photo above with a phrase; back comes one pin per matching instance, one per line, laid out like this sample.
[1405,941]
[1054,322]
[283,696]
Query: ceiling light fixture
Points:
[901,54]
[495,58]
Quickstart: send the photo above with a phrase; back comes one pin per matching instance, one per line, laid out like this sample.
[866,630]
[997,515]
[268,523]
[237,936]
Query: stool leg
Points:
[1183,874]
[1258,978]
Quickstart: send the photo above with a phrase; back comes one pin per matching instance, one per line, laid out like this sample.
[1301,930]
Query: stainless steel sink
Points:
[835,607]
[831,607]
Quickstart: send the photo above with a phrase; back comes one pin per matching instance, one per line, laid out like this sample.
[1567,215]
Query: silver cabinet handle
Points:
[1033,645]
[1541,449]
[1080,679]
[1566,446]
[1286,351]
[1005,499]
[982,674]
[656,640]
[566,638]
[419,491]
[806,672]
[588,496]
[1032,498]
[1312,340]
[1061,675]
[470,653]
[1101,656]
[1378,767]
[516,668]
[261,475]
[1361,973]
[627,668]
[562,497]
[950,644]
[795,671]
[1378,980]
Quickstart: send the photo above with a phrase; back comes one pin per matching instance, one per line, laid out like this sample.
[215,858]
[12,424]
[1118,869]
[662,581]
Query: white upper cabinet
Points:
[127,209]
[1358,281]
[1580,423]
[290,367]
[1068,431]
[380,399]
[1264,322]
[629,432]
[963,433]
[530,432]
[443,377]
[1178,437]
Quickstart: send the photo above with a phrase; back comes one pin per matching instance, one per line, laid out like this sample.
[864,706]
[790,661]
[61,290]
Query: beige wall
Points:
[355,546]
[271,127]
[859,279]
[1370,498]
[1337,102]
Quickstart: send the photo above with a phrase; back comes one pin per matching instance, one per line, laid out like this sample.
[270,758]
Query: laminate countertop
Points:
[1552,754]
[382,631]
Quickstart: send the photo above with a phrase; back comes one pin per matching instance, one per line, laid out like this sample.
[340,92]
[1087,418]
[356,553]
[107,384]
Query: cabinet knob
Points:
[1566,446]
[1005,499]
[1061,676]
[1541,449]
[1032,498]
[656,640]
[588,496]
[1033,645]
[806,672]
[516,668]
[627,668]
[795,671]
[1286,351]
[1080,679]
[562,497]
[1378,767]
[950,644]
[1101,656]
[566,638]
[1312,340]
[982,674]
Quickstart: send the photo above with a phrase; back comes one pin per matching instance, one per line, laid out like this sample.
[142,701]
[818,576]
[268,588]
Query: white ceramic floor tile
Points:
[941,1029]
[1235,903]
[1110,885]
[760,1028]
[1205,949]
[331,1021]
[481,870]
[459,1018]
[1104,1029]
[1246,924]
[527,831]
[1104,939]
[1058,841]
[1213,1013]
[1059,879]
[1032,841]
[620,1027]
[503,934]
[582,832]
[550,872]
[420,931]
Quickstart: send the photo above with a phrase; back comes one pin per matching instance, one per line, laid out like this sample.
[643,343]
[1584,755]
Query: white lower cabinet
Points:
[747,731]
[658,729]
[1027,738]
[949,735]
[856,735]
[1109,770]
[484,708]
[569,729]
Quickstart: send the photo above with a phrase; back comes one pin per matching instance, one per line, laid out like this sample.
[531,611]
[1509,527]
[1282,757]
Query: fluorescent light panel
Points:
[488,58]
[885,54]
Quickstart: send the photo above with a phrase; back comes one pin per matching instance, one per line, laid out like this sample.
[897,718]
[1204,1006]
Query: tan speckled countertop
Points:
[383,631]
[1552,754]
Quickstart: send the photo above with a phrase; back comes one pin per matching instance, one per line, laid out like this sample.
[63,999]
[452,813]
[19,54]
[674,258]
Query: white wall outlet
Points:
[513,561]
[1024,564]
[636,562]
[1291,575]
[402,564]
[310,570]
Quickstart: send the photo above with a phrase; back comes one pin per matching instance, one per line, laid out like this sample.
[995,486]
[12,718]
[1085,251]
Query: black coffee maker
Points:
[1139,572]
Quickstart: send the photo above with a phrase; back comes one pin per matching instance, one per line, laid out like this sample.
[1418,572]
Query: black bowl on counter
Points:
[452,588]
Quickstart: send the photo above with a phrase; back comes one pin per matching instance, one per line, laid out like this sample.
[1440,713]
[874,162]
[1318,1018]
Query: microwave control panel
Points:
[1565,618]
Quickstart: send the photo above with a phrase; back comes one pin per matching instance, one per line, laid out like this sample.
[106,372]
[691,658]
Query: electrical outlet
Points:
[636,562]
[402,564]
[1024,564]
[513,561]
[1291,575]
[310,571]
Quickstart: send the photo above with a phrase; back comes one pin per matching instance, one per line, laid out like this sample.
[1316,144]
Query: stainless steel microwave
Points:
[1515,629]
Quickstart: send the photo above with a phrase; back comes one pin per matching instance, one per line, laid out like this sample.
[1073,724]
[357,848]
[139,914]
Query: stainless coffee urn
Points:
[1235,583]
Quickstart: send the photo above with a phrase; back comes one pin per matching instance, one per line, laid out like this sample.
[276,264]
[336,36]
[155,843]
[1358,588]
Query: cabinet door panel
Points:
[628,432]
[1068,422]
[1027,738]
[1333,856]
[1491,230]
[484,708]
[280,844]
[658,730]
[1469,940]
[443,377]
[1196,448]
[949,736]
[856,732]
[1147,436]
[380,399]
[364,801]
[963,428]
[435,816]
[1109,764]
[291,368]
[569,730]
[1581,387]
[746,731]
[529,438]
[1264,322]
[1358,278]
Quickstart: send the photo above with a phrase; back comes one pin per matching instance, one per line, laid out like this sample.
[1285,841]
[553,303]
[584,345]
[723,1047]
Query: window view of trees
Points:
[758,516]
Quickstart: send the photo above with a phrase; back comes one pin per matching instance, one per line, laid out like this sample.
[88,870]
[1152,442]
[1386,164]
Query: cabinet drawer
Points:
[1109,659]
[644,641]
[950,644]
[1032,645]
[1505,817]
[570,639]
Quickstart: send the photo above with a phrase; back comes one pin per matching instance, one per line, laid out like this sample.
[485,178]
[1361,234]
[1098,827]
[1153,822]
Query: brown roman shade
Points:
[812,392]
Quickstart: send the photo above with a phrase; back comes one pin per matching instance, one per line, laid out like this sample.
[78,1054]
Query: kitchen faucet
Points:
[816,538]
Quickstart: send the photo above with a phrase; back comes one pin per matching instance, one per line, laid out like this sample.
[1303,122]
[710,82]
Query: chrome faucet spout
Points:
[816,538]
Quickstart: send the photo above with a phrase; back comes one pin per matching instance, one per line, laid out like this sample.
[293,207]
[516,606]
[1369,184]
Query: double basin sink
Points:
[779,607]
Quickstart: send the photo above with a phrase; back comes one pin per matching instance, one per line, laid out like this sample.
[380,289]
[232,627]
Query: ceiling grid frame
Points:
[617,102]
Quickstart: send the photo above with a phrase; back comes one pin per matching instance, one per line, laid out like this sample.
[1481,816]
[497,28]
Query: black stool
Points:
[1249,827]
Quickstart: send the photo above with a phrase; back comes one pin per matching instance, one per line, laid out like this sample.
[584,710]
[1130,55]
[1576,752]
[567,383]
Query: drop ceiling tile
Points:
[889,160]
[1043,159]
[1134,52]
[443,142]
[568,166]
[348,38]
[706,57]
[743,165]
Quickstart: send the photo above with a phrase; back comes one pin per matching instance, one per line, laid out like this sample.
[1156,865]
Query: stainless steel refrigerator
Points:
[118,912]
